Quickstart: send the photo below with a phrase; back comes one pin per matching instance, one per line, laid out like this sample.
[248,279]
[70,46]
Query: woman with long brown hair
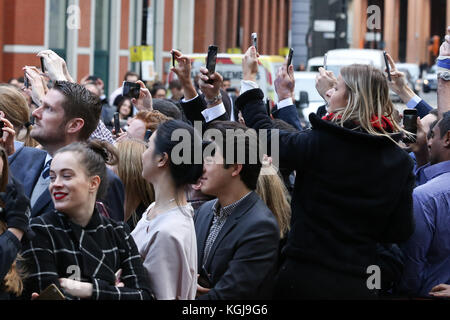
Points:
[13,223]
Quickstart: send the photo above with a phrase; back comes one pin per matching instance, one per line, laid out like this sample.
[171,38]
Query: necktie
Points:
[46,171]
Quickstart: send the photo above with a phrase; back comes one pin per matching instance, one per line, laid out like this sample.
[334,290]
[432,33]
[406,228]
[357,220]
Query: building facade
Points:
[94,36]
[406,27]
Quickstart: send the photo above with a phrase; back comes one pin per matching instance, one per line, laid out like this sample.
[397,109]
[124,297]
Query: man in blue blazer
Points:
[237,235]
[68,113]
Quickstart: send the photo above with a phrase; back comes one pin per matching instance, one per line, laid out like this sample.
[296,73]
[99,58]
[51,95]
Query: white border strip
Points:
[18,48]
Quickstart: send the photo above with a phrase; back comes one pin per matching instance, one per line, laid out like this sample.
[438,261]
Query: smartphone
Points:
[325,57]
[290,56]
[255,40]
[386,61]
[42,65]
[26,82]
[410,123]
[148,134]
[131,90]
[211,59]
[51,293]
[268,109]
[2,125]
[117,123]
[173,59]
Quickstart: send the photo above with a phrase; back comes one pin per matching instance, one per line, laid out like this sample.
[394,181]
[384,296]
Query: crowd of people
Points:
[107,215]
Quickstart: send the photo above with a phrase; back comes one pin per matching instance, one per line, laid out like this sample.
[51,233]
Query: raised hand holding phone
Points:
[388,69]
[211,59]
[255,40]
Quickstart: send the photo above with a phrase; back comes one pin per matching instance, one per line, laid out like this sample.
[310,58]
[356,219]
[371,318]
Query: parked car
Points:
[414,71]
[430,82]
[308,100]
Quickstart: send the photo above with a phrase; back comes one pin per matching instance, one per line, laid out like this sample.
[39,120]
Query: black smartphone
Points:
[290,56]
[386,61]
[148,134]
[2,125]
[26,82]
[255,40]
[42,65]
[51,293]
[117,123]
[131,90]
[173,59]
[211,59]
[268,109]
[410,123]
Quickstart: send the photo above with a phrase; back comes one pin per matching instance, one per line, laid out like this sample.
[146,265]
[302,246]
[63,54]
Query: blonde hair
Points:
[368,95]
[272,191]
[129,170]
[12,282]
[16,110]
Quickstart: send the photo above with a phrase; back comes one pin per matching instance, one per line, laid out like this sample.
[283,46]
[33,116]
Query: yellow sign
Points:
[147,53]
[234,50]
[141,53]
[284,52]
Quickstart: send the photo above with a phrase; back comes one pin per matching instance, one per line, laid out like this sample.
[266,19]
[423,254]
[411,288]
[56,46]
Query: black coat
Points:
[352,191]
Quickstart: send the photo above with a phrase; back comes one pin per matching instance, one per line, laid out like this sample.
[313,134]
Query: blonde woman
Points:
[353,185]
[16,110]
[139,194]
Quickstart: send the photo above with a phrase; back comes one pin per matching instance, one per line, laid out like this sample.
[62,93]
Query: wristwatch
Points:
[214,100]
[444,75]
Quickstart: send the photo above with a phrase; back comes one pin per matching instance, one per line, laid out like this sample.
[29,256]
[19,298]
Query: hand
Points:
[210,85]
[34,296]
[17,206]
[76,288]
[324,82]
[201,291]
[183,68]
[55,66]
[285,82]
[442,290]
[38,86]
[445,47]
[398,83]
[183,71]
[7,140]
[145,101]
[250,64]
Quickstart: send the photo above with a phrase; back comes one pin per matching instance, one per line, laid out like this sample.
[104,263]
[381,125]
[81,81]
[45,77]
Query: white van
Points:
[314,64]
[306,81]
[340,58]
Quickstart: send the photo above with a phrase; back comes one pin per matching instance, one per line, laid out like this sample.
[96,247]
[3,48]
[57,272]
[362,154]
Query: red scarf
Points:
[386,124]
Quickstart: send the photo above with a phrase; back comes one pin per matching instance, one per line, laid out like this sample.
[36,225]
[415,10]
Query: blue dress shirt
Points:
[427,252]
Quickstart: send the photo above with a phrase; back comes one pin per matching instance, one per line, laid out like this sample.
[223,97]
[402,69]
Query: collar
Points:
[48,157]
[437,169]
[226,211]
[385,123]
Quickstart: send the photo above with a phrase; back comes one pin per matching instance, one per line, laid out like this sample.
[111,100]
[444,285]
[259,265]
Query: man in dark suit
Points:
[237,235]
[68,113]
